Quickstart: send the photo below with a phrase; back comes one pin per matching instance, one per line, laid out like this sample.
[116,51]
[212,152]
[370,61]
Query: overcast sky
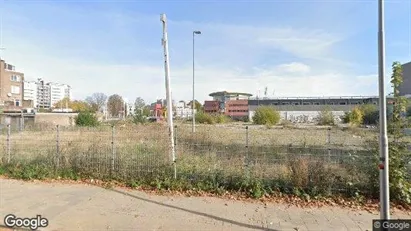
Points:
[294,48]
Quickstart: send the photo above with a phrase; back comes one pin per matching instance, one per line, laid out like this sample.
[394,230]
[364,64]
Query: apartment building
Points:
[43,94]
[58,92]
[46,94]
[11,86]
[183,110]
[30,93]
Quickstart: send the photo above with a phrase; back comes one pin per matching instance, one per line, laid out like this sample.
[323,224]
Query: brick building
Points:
[232,104]
[11,87]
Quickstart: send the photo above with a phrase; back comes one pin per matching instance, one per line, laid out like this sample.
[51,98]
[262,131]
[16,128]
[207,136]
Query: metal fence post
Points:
[8,144]
[57,146]
[329,136]
[329,144]
[175,139]
[175,151]
[246,145]
[113,150]
[22,121]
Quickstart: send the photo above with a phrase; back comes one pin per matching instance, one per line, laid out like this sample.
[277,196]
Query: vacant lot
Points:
[255,160]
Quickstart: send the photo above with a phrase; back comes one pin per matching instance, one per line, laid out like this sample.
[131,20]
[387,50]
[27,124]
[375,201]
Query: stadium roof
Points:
[226,93]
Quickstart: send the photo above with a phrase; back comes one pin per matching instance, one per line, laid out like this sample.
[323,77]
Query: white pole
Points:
[1,30]
[193,105]
[193,102]
[384,181]
[168,91]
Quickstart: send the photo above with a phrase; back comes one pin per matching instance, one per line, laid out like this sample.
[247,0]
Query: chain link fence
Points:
[320,160]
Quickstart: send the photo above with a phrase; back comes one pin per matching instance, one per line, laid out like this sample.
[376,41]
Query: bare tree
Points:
[115,105]
[97,100]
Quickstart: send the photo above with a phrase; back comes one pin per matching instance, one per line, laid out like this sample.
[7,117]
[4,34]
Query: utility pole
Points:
[383,166]
[168,91]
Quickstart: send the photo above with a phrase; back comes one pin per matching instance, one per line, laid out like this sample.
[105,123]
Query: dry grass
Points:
[207,139]
[262,136]
[217,155]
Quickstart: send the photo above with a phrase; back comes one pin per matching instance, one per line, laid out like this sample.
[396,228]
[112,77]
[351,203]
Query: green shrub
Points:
[326,117]
[204,118]
[356,117]
[346,117]
[371,114]
[266,115]
[220,119]
[139,118]
[86,119]
[241,119]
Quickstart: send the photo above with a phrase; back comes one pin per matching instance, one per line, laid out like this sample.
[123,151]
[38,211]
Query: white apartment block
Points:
[58,92]
[30,92]
[45,94]
[183,110]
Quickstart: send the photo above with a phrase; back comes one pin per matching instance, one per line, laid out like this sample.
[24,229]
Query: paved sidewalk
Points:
[86,207]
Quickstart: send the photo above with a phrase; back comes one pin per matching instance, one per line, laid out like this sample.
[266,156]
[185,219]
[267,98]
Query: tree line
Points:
[96,103]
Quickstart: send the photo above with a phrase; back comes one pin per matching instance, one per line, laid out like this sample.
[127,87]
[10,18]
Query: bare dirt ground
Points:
[87,207]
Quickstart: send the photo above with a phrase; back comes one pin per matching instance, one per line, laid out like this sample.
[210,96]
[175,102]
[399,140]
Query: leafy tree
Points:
[86,119]
[97,101]
[266,115]
[198,106]
[400,187]
[115,105]
[76,105]
[80,106]
[63,103]
[326,117]
[398,121]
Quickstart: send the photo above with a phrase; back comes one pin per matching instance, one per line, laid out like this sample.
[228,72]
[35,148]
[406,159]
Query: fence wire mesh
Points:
[323,160]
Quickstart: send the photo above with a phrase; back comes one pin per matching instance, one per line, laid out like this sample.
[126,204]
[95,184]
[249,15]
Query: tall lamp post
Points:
[383,166]
[193,102]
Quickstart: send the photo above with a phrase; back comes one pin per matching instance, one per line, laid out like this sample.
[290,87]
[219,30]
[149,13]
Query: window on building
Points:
[9,67]
[15,90]
[17,103]
[15,78]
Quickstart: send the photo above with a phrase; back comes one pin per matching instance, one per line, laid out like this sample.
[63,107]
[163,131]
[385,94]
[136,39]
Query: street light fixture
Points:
[193,102]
